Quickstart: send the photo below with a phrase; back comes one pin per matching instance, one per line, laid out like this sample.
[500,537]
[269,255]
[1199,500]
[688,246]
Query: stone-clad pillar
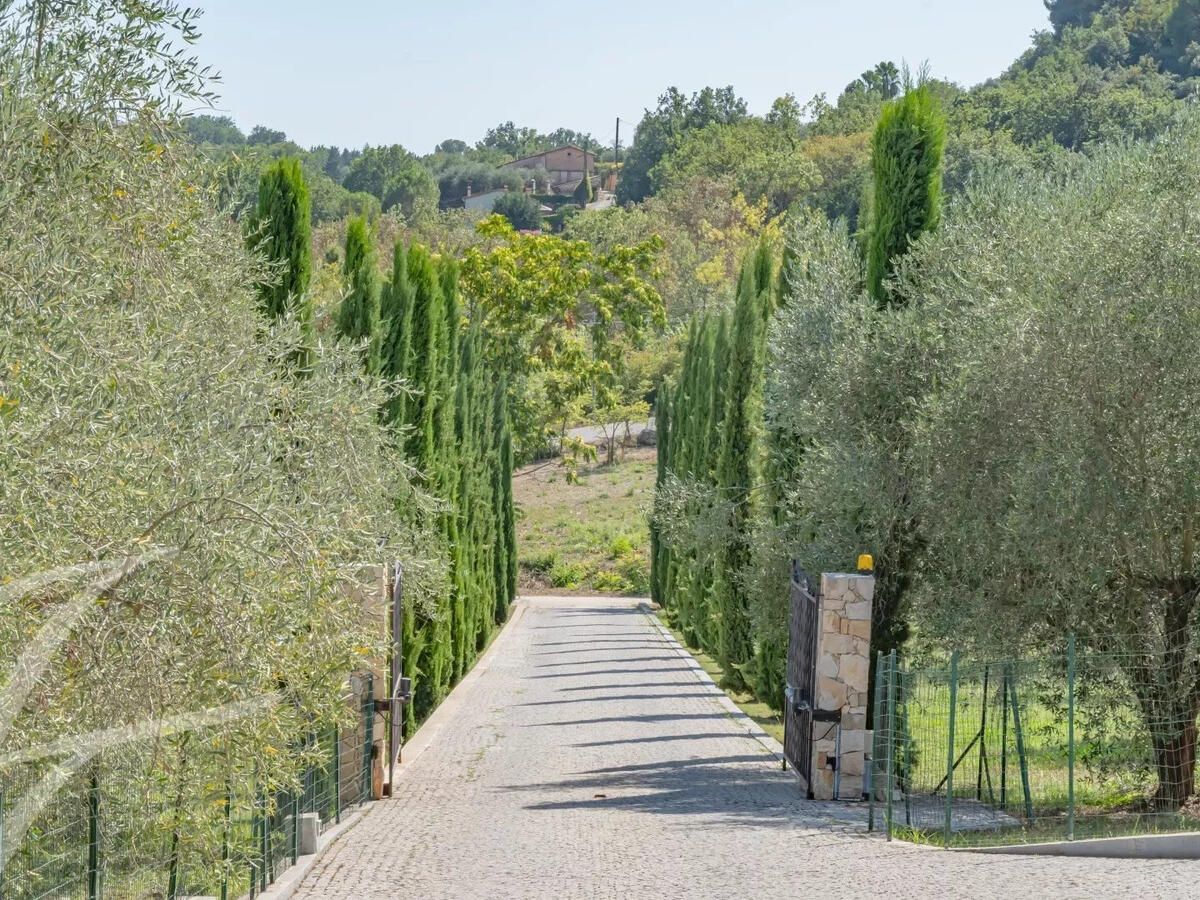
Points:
[843,663]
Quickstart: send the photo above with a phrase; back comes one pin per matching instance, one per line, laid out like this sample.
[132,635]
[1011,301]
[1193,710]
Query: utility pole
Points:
[617,143]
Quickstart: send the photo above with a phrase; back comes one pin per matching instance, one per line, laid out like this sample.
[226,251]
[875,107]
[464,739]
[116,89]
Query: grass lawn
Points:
[591,537]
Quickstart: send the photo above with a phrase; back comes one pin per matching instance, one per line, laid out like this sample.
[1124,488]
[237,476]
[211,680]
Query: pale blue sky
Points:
[380,72]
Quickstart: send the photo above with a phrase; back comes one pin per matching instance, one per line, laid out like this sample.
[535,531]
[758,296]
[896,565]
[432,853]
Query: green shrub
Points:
[636,572]
[540,563]
[610,582]
[621,546]
[568,575]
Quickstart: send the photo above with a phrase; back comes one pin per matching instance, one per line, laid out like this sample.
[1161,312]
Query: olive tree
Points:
[1059,445]
[181,518]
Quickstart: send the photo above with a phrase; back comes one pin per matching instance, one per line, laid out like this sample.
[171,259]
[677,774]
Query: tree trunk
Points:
[1175,760]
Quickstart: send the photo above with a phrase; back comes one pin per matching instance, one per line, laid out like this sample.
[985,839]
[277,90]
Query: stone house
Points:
[562,168]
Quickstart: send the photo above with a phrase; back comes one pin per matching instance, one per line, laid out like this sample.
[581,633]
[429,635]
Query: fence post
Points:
[1004,738]
[368,738]
[93,863]
[875,740]
[337,774]
[295,827]
[950,750]
[264,826]
[254,844]
[1071,737]
[983,743]
[1,842]
[1021,760]
[891,738]
[225,835]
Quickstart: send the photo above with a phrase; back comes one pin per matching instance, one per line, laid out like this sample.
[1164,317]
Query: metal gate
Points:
[804,619]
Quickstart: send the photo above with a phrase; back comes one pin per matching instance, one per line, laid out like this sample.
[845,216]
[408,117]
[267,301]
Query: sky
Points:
[395,71]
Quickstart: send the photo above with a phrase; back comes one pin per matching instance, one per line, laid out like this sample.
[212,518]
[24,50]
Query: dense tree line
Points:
[971,397]
[450,417]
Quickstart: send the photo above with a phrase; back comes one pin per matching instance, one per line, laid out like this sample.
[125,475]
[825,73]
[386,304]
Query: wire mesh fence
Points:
[172,817]
[1063,747]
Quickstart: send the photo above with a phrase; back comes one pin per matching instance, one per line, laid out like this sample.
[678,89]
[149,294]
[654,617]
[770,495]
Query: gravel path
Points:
[583,758]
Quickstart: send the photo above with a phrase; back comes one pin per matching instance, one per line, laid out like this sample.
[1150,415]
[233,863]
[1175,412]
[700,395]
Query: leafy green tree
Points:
[883,80]
[521,210]
[358,316]
[479,176]
[749,155]
[452,146]
[1077,12]
[514,142]
[660,129]
[396,178]
[1182,34]
[907,198]
[260,135]
[205,129]
[557,317]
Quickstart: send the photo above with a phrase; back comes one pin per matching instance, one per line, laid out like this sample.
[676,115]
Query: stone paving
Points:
[585,759]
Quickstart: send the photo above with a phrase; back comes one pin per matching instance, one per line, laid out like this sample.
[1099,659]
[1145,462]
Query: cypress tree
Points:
[736,469]
[662,424]
[396,314]
[505,549]
[453,458]
[425,366]
[436,662]
[906,161]
[694,588]
[280,228]
[906,202]
[358,316]
[679,455]
[509,523]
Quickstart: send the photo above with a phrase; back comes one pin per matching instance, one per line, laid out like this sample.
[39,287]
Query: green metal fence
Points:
[165,818]
[1063,747]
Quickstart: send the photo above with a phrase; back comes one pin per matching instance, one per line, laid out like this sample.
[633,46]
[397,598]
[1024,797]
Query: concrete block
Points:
[310,832]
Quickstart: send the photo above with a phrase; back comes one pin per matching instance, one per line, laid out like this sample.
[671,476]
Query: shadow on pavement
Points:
[648,718]
[618,698]
[661,738]
[608,659]
[739,789]
[589,672]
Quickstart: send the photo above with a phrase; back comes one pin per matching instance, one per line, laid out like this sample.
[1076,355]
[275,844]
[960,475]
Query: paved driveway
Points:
[583,758]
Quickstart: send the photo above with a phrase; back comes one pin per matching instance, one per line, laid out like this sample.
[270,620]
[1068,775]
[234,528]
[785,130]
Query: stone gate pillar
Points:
[843,663]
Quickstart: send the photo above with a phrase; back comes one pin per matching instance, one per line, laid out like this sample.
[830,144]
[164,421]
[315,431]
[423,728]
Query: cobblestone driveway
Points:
[585,759]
